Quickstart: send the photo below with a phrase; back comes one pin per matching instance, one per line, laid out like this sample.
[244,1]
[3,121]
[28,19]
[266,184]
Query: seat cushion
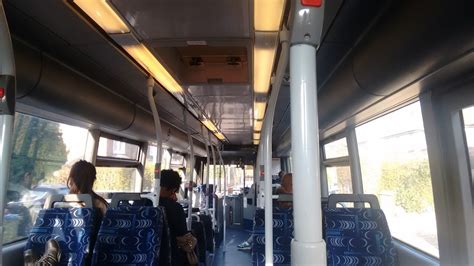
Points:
[72,228]
[358,236]
[129,235]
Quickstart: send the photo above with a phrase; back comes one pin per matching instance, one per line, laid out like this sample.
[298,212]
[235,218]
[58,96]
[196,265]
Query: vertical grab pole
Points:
[245,195]
[214,183]
[206,141]
[267,145]
[190,167]
[159,139]
[224,205]
[7,111]
[308,246]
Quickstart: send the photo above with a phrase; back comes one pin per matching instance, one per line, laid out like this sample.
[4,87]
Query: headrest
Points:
[334,199]
[118,197]
[86,199]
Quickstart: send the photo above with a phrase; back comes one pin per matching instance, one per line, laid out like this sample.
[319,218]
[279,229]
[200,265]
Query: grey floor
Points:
[233,256]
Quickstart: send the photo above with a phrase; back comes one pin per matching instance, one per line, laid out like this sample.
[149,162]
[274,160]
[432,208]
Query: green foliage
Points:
[114,179]
[38,150]
[411,181]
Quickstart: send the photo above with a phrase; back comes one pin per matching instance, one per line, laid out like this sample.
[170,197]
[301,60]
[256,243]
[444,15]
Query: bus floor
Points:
[233,256]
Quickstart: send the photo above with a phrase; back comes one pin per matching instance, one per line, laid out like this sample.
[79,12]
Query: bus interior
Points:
[368,104]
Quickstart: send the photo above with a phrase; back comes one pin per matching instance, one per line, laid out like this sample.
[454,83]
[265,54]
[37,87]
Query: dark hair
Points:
[81,177]
[170,179]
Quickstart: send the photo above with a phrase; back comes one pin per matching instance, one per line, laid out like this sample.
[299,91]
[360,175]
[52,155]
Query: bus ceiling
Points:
[369,61]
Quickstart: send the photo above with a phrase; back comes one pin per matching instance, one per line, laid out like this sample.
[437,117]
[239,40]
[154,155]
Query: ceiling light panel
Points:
[209,125]
[263,56]
[106,17]
[257,125]
[268,14]
[149,62]
[259,110]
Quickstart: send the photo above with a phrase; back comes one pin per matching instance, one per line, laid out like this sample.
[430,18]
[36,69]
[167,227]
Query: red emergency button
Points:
[2,92]
[315,3]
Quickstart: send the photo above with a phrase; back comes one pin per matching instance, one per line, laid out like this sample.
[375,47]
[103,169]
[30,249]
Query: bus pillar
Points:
[7,110]
[308,246]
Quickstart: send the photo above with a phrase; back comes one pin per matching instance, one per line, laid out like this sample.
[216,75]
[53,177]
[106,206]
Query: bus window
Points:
[117,179]
[339,179]
[149,176]
[394,164]
[336,149]
[468,117]
[117,149]
[43,152]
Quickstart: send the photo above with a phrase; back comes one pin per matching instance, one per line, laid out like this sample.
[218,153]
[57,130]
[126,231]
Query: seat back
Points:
[73,228]
[357,236]
[129,235]
[282,236]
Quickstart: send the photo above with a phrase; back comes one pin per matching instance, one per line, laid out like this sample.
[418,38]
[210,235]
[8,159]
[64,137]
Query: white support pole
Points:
[214,208]
[245,195]
[308,246]
[324,177]
[7,115]
[189,166]
[159,139]
[266,143]
[356,173]
[206,141]
[224,205]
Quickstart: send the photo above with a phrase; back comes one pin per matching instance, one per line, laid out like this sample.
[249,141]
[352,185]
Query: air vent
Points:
[196,61]
[233,61]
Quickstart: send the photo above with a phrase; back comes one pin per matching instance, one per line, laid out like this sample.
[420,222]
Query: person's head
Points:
[81,178]
[169,183]
[287,183]
[281,174]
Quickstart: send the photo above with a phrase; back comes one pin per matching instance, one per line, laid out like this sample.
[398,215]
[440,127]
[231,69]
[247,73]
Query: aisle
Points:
[234,257]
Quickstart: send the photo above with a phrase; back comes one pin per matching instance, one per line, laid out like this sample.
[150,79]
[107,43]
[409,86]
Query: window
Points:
[149,177]
[336,149]
[117,149]
[117,179]
[337,166]
[394,164]
[177,159]
[339,179]
[468,117]
[43,152]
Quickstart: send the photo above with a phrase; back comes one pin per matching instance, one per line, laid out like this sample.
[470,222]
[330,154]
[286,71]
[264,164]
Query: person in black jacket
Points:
[170,183]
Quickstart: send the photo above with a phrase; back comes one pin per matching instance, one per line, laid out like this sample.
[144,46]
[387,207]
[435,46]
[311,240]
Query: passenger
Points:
[286,187]
[182,242]
[81,180]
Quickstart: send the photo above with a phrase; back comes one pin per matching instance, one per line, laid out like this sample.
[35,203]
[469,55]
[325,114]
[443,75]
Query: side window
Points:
[394,164]
[117,166]
[43,152]
[337,165]
[149,177]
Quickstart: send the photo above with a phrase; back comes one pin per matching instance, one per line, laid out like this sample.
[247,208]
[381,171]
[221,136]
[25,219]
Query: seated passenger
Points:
[182,242]
[81,180]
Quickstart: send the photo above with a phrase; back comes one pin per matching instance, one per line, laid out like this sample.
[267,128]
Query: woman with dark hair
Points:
[81,180]
[182,242]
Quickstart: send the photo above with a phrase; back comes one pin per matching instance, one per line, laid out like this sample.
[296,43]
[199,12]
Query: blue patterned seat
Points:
[358,236]
[73,228]
[129,235]
[282,236]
